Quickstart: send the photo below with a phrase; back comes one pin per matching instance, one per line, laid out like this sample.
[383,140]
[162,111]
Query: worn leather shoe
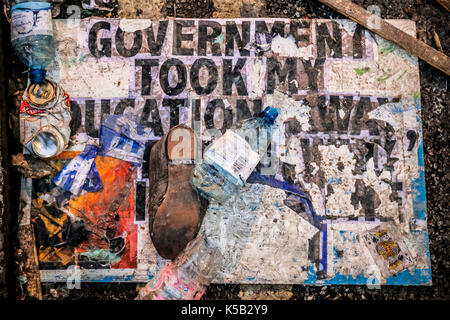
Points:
[176,211]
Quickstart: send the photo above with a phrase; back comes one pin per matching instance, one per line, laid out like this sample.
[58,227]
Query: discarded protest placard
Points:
[350,141]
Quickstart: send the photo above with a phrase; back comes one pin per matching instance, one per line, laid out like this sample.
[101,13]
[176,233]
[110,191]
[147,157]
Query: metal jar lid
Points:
[40,95]
[47,143]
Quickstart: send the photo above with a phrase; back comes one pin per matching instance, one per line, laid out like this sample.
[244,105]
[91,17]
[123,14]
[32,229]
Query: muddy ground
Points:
[430,17]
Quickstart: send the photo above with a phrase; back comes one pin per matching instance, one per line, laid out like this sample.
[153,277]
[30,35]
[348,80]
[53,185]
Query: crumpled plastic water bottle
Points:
[32,35]
[187,276]
[229,161]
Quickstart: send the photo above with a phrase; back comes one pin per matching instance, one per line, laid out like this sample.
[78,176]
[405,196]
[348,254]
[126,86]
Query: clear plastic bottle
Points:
[229,161]
[187,276]
[32,35]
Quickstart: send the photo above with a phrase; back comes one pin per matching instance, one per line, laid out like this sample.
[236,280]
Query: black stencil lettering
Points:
[373,127]
[313,72]
[146,74]
[326,115]
[209,115]
[151,109]
[105,106]
[324,38]
[257,107]
[382,101]
[135,47]
[331,115]
[233,76]
[141,192]
[196,112]
[367,197]
[181,76]
[300,24]
[242,110]
[277,27]
[305,144]
[89,119]
[289,71]
[155,46]
[179,36]
[204,37]
[389,147]
[358,42]
[122,105]
[412,137]
[90,128]
[104,42]
[75,121]
[213,75]
[364,106]
[346,106]
[232,35]
[145,166]
[174,107]
[292,126]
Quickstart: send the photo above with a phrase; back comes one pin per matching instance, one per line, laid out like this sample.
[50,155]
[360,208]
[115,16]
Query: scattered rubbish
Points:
[437,41]
[32,36]
[176,210]
[187,277]
[122,137]
[44,119]
[388,250]
[80,174]
[388,31]
[229,161]
[32,167]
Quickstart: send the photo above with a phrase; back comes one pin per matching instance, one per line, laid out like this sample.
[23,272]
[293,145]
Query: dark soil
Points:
[430,17]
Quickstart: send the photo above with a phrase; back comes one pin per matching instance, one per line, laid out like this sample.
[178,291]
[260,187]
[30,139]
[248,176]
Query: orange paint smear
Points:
[94,207]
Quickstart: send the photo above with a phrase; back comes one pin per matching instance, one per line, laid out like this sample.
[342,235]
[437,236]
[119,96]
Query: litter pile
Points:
[84,203]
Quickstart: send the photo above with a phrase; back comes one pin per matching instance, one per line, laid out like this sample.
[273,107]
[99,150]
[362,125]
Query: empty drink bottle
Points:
[229,161]
[187,276]
[32,35]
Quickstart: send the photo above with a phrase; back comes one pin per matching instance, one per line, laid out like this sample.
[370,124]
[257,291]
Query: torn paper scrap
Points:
[123,138]
[80,174]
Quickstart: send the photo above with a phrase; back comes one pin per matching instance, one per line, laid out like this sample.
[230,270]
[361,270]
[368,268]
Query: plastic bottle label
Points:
[233,154]
[170,287]
[30,19]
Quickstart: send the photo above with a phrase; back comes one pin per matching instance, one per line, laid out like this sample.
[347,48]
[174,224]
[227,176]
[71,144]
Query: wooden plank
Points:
[29,258]
[445,4]
[386,30]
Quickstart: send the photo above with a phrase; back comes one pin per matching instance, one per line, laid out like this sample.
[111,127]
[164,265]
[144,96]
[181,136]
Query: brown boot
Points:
[176,211]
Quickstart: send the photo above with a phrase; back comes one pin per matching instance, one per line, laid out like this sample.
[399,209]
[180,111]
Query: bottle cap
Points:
[47,143]
[41,94]
[37,75]
[270,114]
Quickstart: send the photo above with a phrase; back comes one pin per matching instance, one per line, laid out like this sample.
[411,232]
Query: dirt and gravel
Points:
[430,17]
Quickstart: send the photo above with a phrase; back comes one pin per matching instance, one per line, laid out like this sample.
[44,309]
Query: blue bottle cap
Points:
[37,75]
[270,114]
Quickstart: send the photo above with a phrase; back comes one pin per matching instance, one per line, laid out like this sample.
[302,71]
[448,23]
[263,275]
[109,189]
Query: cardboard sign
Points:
[350,140]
